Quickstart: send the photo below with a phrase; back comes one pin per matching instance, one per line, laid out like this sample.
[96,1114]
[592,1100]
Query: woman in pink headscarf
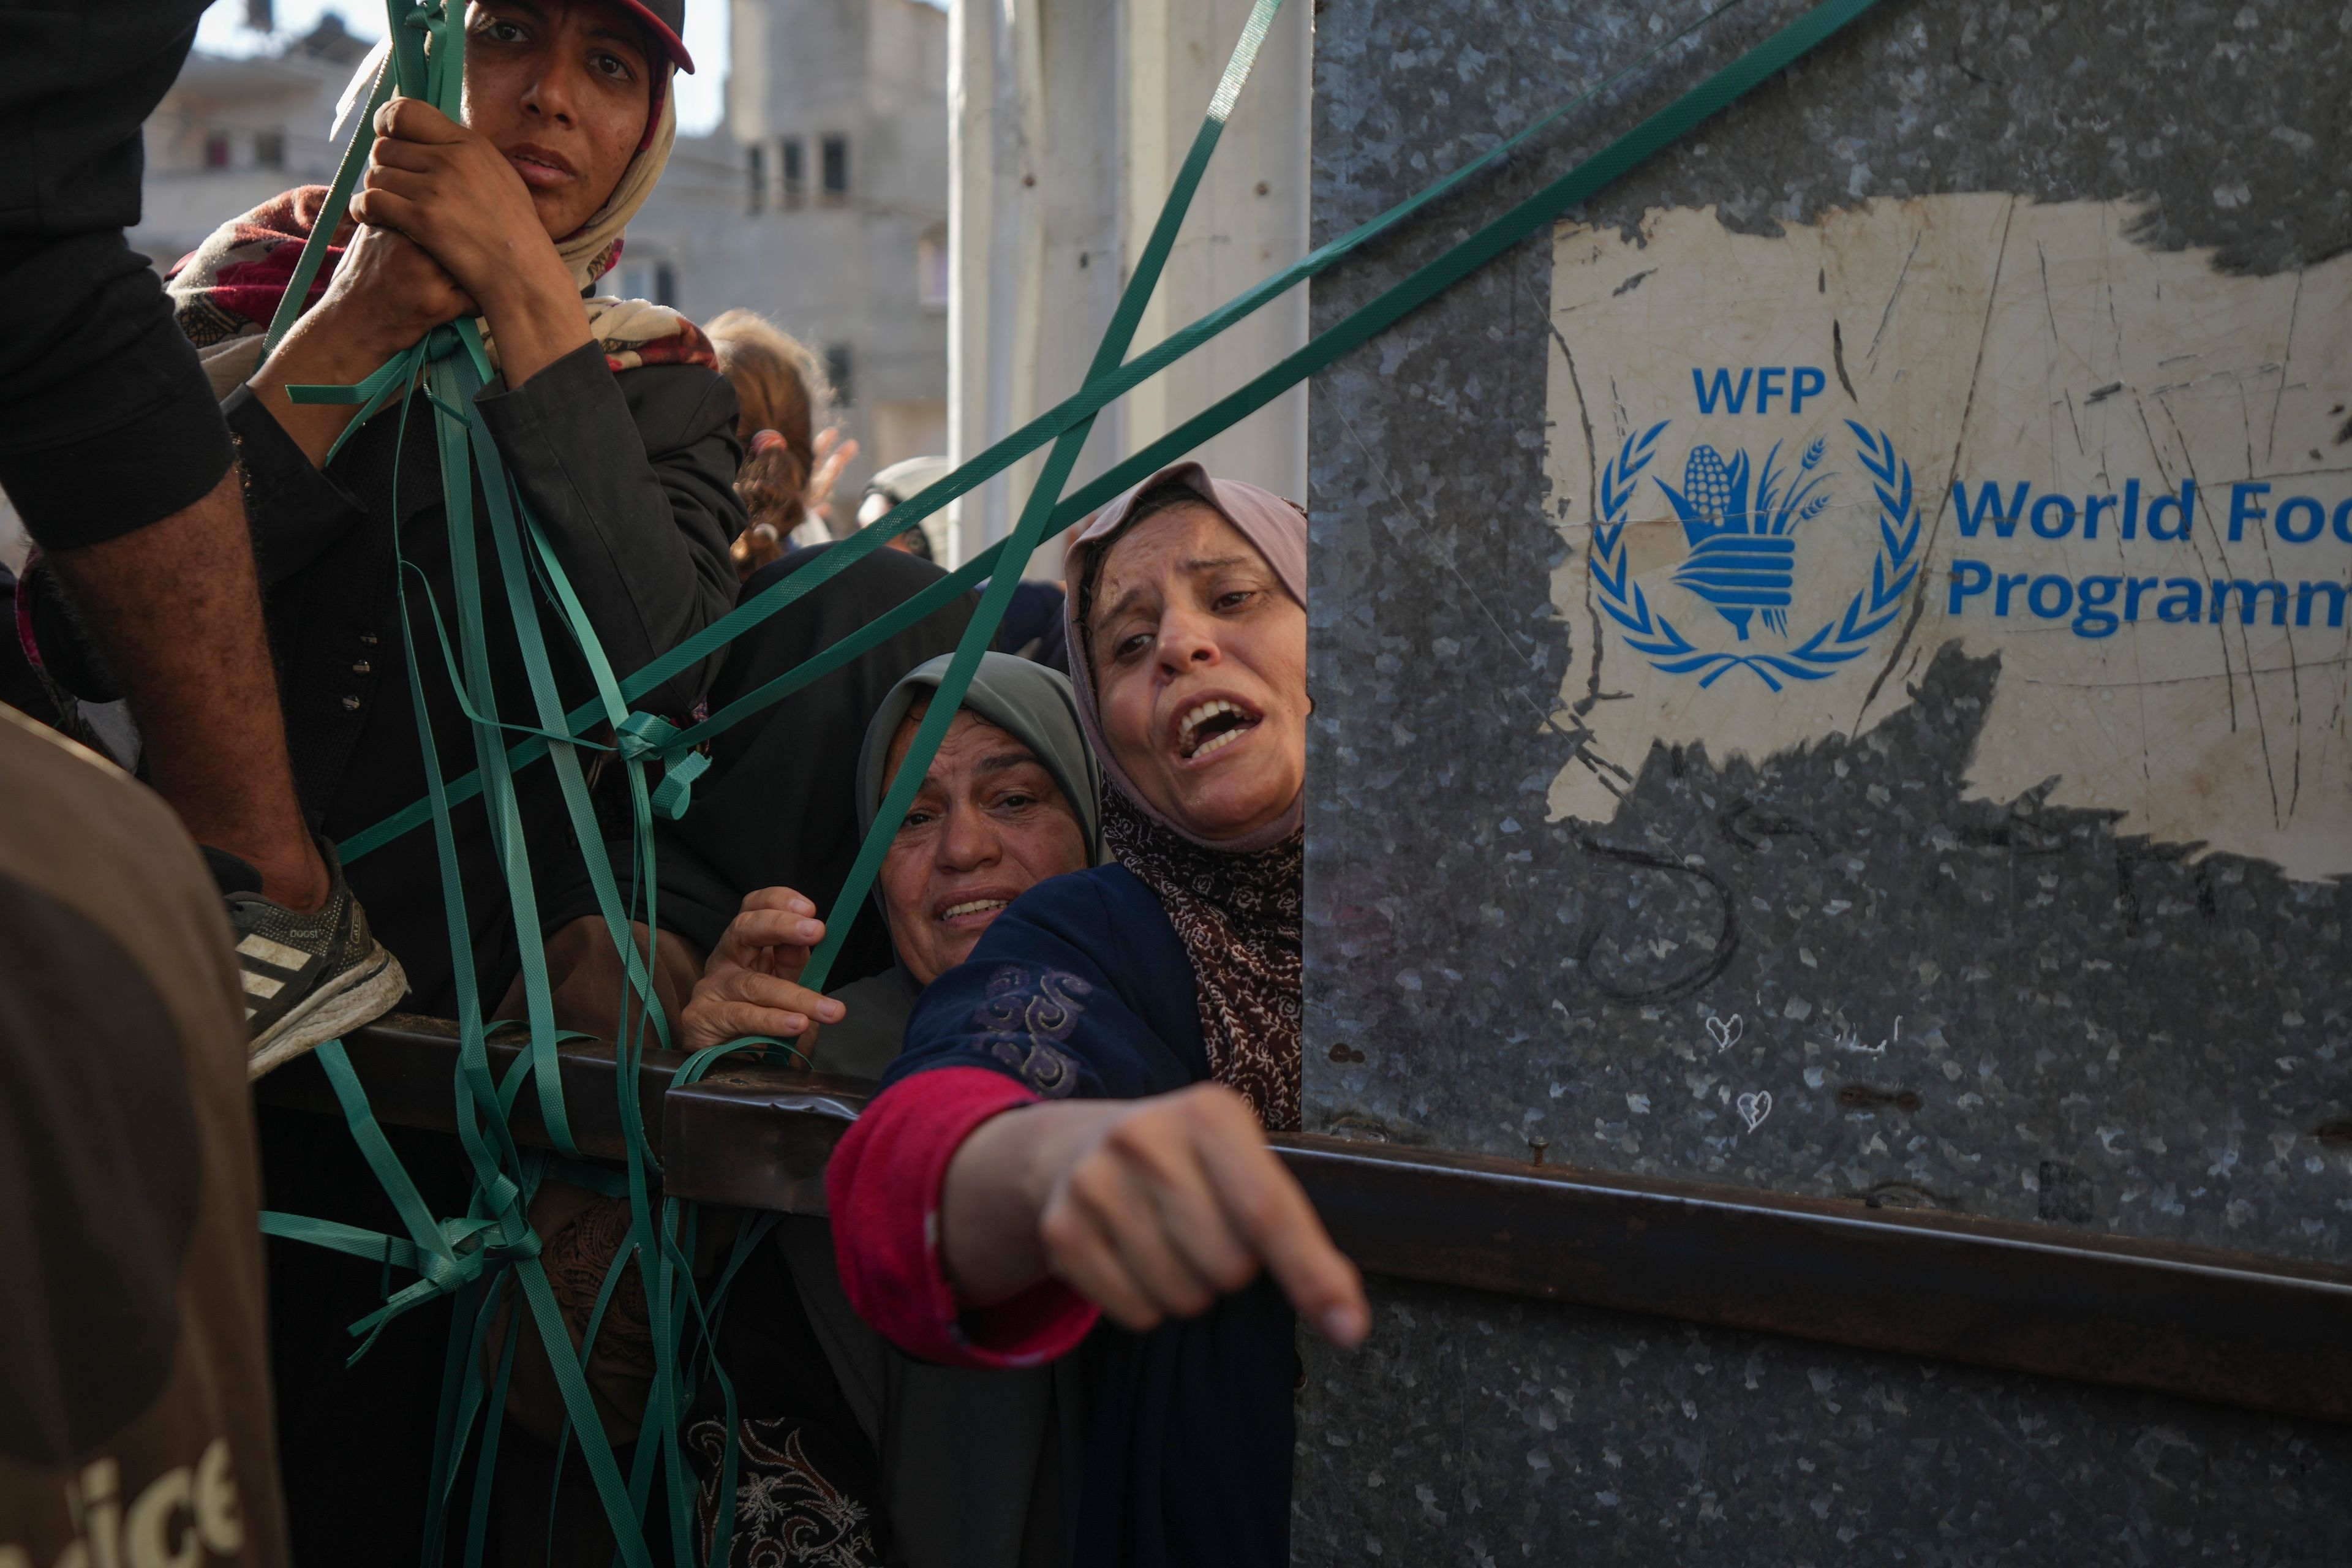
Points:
[1077,1127]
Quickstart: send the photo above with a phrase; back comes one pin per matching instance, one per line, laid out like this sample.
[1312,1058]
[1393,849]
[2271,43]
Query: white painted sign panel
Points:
[1789,470]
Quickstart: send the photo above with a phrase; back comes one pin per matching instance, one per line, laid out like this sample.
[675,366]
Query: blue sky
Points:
[223,31]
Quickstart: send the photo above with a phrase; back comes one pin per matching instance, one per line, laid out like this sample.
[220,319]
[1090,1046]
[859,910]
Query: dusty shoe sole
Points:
[361,995]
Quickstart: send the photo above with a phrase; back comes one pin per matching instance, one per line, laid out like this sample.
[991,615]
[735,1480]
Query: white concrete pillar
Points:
[1067,121]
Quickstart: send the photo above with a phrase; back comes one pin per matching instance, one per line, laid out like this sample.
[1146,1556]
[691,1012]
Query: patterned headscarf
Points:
[1235,905]
[227,288]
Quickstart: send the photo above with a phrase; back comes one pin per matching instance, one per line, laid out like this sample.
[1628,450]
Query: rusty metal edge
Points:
[2229,1328]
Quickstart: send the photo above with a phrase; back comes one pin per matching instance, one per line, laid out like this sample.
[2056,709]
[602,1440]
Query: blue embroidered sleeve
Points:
[1080,990]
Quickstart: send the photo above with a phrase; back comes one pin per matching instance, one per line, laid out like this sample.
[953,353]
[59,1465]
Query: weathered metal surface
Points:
[1478,1429]
[2104,1029]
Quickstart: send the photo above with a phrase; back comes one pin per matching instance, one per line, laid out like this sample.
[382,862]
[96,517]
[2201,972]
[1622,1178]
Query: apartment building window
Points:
[795,168]
[836,189]
[644,279]
[216,149]
[837,371]
[755,169]
[269,149]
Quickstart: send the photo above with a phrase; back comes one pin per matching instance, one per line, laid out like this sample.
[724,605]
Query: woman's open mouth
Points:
[1209,727]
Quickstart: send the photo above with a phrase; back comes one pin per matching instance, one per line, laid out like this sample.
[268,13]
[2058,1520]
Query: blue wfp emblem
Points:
[1741,519]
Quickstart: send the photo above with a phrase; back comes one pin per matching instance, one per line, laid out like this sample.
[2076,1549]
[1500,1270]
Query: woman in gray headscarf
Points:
[975,1465]
[1014,797]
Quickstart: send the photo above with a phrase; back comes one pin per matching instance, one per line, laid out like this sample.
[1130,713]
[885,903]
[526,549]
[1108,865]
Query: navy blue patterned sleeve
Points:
[1080,989]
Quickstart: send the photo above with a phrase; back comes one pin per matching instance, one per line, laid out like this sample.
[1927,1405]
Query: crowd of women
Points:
[1052,1316]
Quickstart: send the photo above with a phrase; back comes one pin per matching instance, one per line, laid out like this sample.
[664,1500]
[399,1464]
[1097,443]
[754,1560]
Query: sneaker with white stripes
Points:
[309,978]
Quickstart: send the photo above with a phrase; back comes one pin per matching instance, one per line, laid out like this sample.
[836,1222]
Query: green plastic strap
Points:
[447,1448]
[368,392]
[506,505]
[1577,187]
[447,1254]
[449,380]
[679,773]
[394,376]
[339,200]
[486,1464]
[1096,393]
[491,1148]
[370,1245]
[872,635]
[359,1117]
[650,737]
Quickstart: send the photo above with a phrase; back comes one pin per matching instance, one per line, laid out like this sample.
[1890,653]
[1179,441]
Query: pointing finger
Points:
[1271,1211]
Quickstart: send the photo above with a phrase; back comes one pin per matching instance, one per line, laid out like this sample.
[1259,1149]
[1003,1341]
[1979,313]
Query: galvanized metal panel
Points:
[2102,1027]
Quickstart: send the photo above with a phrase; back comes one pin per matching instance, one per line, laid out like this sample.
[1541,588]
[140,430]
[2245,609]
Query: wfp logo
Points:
[1742,519]
[1743,551]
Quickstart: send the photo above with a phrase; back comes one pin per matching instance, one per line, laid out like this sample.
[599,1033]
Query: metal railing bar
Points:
[2227,1327]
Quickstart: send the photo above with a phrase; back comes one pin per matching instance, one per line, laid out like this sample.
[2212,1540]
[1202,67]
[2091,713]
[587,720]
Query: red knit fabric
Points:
[883,1185]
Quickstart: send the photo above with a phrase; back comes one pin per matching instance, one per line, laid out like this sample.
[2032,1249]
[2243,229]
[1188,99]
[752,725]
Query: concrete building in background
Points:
[822,203]
[1070,123]
[232,133]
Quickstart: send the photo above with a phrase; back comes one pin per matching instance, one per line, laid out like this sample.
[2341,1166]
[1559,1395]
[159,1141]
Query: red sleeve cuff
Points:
[883,1187]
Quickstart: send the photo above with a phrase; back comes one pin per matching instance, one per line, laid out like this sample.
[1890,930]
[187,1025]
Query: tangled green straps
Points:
[1098,391]
[491,1255]
[473,1257]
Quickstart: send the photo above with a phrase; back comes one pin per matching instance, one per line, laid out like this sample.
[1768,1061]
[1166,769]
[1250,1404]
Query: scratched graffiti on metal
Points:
[1976,418]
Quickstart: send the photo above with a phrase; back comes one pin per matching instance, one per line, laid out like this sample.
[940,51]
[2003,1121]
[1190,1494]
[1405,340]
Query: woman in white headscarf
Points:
[611,415]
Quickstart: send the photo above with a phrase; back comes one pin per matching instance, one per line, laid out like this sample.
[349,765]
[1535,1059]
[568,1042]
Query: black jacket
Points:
[779,804]
[630,474]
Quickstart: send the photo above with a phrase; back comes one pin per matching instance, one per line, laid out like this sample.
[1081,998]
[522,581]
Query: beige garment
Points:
[135,1419]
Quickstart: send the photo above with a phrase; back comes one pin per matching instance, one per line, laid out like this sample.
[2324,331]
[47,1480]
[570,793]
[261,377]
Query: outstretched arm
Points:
[1150,1208]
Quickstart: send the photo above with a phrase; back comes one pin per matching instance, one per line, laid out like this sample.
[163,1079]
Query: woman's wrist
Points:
[331,345]
[327,347]
[536,318]
[997,1186]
